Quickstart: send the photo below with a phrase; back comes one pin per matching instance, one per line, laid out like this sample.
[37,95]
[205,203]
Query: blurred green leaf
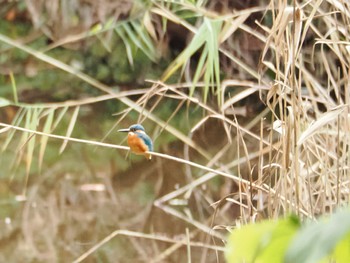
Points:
[196,43]
[342,251]
[44,139]
[133,33]
[17,120]
[316,241]
[128,48]
[96,29]
[14,88]
[70,128]
[206,42]
[59,117]
[285,241]
[263,242]
[4,102]
[31,124]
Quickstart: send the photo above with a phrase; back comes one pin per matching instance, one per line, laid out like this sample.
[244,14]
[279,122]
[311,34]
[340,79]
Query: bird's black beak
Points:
[123,130]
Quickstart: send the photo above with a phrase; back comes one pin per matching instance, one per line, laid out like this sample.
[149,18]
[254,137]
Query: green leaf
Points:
[205,41]
[14,87]
[128,48]
[44,139]
[342,252]
[96,29]
[4,102]
[133,32]
[70,128]
[316,241]
[196,43]
[263,242]
[18,119]
[146,41]
[200,67]
[31,124]
[59,117]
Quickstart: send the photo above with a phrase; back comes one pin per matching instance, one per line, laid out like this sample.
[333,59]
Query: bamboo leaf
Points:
[196,43]
[59,117]
[134,33]
[149,26]
[17,120]
[214,28]
[123,37]
[70,128]
[146,43]
[25,135]
[4,102]
[207,39]
[44,139]
[31,124]
[199,70]
[14,87]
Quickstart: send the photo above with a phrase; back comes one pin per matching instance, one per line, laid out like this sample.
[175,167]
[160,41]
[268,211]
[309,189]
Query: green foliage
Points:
[135,36]
[316,241]
[205,41]
[262,242]
[4,102]
[287,241]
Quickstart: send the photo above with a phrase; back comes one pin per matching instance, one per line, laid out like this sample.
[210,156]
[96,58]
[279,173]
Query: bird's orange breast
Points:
[136,144]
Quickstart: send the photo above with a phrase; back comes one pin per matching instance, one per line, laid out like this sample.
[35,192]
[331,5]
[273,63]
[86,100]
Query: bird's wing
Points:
[147,140]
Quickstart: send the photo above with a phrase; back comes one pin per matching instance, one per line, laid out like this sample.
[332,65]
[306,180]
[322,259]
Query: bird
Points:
[139,142]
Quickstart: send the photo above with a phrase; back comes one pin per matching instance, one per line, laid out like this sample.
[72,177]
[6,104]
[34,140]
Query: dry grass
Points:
[288,155]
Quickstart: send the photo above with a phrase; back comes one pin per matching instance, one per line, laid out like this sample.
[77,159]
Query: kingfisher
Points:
[139,142]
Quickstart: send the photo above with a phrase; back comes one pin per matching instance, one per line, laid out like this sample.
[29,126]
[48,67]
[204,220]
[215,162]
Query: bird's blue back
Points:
[146,139]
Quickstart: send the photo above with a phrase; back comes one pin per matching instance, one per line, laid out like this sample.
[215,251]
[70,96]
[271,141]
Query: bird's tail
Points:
[148,156]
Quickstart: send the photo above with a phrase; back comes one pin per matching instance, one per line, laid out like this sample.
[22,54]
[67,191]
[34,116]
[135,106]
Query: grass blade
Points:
[317,125]
[127,45]
[18,119]
[44,139]
[31,124]
[14,87]
[59,117]
[70,128]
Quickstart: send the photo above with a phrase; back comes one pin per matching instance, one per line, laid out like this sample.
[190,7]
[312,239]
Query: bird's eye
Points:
[132,129]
